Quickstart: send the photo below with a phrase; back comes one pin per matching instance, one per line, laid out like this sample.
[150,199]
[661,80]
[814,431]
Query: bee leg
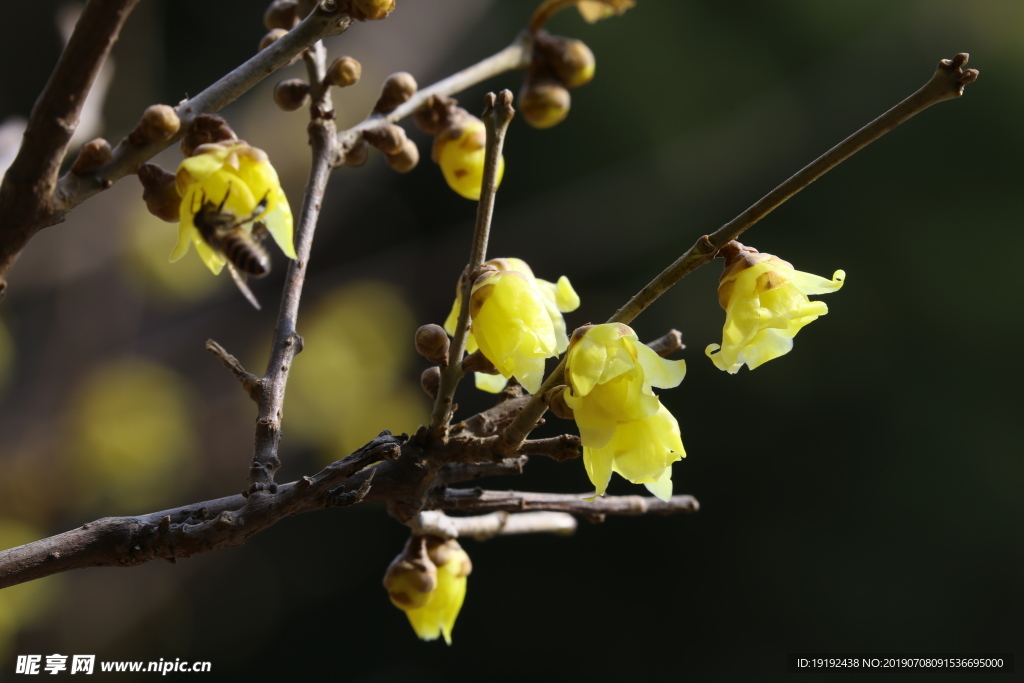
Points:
[242,287]
[220,209]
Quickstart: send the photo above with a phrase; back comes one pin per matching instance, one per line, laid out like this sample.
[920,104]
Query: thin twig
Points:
[479,500]
[252,384]
[497,115]
[485,527]
[946,83]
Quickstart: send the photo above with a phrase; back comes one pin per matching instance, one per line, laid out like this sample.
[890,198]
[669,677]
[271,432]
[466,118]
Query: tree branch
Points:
[946,83]
[485,527]
[480,500]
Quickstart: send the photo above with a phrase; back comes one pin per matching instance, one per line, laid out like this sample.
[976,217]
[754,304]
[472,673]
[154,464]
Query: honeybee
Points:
[225,233]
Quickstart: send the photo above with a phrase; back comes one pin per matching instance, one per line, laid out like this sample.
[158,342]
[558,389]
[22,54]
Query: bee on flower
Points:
[516,321]
[428,582]
[623,427]
[766,304]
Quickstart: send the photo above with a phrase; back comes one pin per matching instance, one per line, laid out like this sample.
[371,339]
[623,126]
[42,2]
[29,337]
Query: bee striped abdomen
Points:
[245,254]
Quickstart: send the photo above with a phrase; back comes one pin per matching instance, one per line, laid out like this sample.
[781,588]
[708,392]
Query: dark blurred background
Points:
[860,494]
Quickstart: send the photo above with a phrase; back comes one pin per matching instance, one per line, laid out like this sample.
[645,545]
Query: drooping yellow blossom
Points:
[242,177]
[428,582]
[459,151]
[623,426]
[516,321]
[765,302]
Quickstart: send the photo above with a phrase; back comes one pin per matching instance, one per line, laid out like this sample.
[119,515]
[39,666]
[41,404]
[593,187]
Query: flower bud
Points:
[543,102]
[397,89]
[571,60]
[357,155]
[448,552]
[269,39]
[555,401]
[459,151]
[432,343]
[291,94]
[160,192]
[370,10]
[159,123]
[430,380]
[428,582]
[412,576]
[206,128]
[388,138]
[281,14]
[437,113]
[343,72]
[406,158]
[91,156]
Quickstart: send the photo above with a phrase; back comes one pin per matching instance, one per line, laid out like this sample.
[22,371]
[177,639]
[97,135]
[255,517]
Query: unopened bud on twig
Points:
[206,128]
[269,39]
[358,154]
[160,192]
[405,159]
[543,102]
[569,59]
[412,576]
[397,89]
[158,123]
[437,113]
[555,401]
[430,380]
[343,72]
[432,343]
[291,94]
[281,14]
[370,10]
[387,138]
[91,156]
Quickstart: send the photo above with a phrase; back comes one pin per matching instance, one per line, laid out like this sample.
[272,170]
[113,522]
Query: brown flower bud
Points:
[370,10]
[358,154]
[437,113]
[160,192]
[405,159]
[397,88]
[387,138]
[477,362]
[206,128]
[158,124]
[543,102]
[430,380]
[412,575]
[91,156]
[282,14]
[432,343]
[343,72]
[441,552]
[569,59]
[555,401]
[291,94]
[267,40]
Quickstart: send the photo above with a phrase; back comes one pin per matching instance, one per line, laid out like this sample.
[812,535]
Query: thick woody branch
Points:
[946,83]
[485,527]
[455,472]
[479,500]
[497,115]
[183,532]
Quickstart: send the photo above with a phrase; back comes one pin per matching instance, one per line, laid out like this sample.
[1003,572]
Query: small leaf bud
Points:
[555,400]
[370,10]
[282,14]
[432,343]
[275,34]
[387,138]
[430,380]
[397,89]
[343,72]
[91,156]
[357,155]
[291,94]
[405,159]
[158,123]
[206,128]
[571,60]
[543,102]
[160,192]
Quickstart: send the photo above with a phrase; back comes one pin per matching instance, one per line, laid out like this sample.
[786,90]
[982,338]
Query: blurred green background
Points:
[860,494]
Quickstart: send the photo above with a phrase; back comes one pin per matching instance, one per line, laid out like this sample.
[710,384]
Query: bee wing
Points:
[242,287]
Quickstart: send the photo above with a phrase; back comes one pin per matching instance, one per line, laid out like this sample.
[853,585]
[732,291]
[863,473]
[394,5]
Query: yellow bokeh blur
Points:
[21,604]
[132,437]
[6,356]
[350,381]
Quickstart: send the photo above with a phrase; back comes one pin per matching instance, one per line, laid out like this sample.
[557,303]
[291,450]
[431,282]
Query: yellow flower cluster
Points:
[428,582]
[623,426]
[242,177]
[765,302]
[516,321]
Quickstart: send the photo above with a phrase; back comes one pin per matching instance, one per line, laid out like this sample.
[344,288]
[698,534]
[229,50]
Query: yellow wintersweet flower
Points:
[623,426]
[516,321]
[459,151]
[428,582]
[765,302]
[242,178]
